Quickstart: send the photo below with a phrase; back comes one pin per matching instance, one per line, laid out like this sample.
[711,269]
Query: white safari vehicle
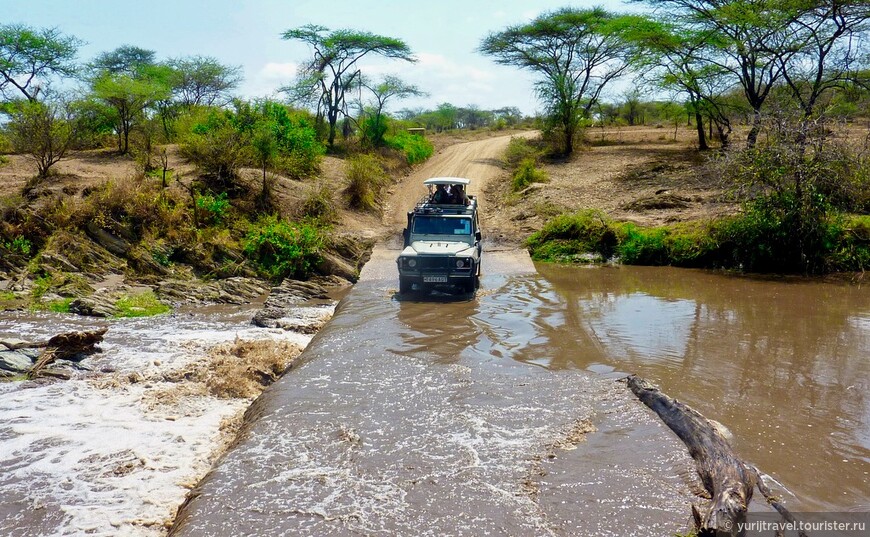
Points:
[442,240]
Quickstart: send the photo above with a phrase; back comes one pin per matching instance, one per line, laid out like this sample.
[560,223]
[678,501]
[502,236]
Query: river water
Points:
[499,414]
[437,415]
[785,365]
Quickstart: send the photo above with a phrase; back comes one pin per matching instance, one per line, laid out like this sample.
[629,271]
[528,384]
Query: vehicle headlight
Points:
[412,263]
[463,262]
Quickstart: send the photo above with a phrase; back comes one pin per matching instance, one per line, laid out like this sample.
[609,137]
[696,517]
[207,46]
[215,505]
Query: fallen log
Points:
[68,345]
[729,480]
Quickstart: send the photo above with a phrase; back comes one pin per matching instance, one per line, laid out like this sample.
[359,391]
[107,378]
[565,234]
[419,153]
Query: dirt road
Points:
[479,161]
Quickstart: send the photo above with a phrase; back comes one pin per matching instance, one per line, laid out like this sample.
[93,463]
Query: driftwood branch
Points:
[63,346]
[729,480]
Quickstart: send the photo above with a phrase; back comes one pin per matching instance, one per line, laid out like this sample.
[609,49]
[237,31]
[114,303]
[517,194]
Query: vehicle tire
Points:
[471,285]
[404,286]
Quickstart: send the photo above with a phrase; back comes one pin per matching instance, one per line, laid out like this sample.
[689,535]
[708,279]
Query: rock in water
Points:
[15,361]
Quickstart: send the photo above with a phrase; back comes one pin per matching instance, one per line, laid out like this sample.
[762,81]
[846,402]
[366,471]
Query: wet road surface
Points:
[432,417]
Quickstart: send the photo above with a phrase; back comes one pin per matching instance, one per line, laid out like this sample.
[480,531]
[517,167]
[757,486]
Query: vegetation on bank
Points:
[218,221]
[805,208]
[751,242]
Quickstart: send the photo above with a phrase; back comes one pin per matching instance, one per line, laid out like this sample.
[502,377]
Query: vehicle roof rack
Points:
[425,206]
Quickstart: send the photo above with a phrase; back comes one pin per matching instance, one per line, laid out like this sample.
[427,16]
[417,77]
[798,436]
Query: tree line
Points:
[705,51]
[718,60]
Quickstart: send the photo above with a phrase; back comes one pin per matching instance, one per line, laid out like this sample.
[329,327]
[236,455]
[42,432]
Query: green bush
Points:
[216,146]
[569,235]
[216,207]
[20,245]
[366,181]
[527,174]
[222,141]
[762,239]
[283,249]
[373,129]
[299,151]
[520,149]
[416,148]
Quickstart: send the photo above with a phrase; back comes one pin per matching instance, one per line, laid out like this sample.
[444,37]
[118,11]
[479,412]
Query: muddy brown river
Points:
[785,365]
[501,415]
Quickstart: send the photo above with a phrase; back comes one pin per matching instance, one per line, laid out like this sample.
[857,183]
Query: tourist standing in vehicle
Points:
[441,195]
[458,195]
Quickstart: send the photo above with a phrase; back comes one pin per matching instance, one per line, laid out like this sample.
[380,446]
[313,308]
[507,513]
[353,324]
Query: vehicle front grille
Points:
[428,263]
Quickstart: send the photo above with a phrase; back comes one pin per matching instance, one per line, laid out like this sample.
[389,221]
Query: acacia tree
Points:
[203,80]
[750,39]
[333,69]
[124,60]
[672,57]
[812,45]
[388,88]
[829,37]
[576,52]
[42,131]
[130,95]
[28,55]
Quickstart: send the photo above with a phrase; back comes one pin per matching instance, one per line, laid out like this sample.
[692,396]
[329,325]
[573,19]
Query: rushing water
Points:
[114,450]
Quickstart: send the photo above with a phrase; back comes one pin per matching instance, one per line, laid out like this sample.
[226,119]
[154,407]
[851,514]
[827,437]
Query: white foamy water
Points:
[114,453]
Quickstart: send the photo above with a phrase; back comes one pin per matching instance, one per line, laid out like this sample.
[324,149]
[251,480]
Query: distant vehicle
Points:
[442,240]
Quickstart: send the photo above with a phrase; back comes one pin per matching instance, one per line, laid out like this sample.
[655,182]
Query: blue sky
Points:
[443,34]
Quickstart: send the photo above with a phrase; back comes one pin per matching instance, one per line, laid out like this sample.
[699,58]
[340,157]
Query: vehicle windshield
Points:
[441,225]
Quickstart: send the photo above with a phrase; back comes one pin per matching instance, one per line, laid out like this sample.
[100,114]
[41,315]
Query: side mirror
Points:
[405,236]
[478,236]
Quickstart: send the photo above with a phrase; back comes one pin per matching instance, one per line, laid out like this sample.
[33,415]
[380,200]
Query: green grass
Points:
[140,305]
[7,295]
[59,306]
[41,285]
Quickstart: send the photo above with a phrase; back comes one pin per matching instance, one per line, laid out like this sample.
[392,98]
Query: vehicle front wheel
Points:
[471,285]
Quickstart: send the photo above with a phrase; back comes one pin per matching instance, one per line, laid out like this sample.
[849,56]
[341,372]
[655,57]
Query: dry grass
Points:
[243,369]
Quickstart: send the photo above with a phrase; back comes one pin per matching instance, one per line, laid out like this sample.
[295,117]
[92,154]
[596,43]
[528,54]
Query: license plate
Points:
[434,279]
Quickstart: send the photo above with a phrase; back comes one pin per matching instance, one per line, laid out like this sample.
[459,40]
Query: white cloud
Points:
[438,66]
[279,72]
[266,81]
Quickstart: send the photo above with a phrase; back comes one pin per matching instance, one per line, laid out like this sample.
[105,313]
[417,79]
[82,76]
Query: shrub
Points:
[366,181]
[320,205]
[280,249]
[299,151]
[527,174]
[217,147]
[520,149]
[758,241]
[416,148]
[794,183]
[216,207]
[43,132]
[569,235]
[20,245]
